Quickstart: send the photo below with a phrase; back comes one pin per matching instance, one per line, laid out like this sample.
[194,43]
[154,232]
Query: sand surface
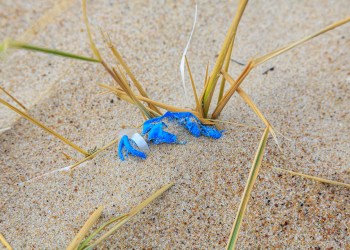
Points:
[306,97]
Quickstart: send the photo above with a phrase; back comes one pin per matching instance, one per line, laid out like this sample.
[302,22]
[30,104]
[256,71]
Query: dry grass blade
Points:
[44,127]
[10,44]
[313,178]
[226,66]
[253,63]
[88,30]
[248,190]
[13,98]
[131,214]
[5,243]
[117,76]
[231,91]
[277,52]
[234,123]
[84,244]
[198,104]
[128,71]
[85,229]
[205,84]
[122,93]
[94,154]
[251,104]
[113,72]
[120,78]
[230,37]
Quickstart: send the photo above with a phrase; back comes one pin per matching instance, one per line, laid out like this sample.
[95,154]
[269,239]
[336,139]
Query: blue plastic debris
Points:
[126,146]
[155,127]
[157,135]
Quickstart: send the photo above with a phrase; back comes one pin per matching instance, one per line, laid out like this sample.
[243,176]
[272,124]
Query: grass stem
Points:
[44,127]
[248,190]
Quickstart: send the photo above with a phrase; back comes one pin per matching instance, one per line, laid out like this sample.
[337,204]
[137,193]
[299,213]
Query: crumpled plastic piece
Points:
[157,135]
[155,127]
[126,147]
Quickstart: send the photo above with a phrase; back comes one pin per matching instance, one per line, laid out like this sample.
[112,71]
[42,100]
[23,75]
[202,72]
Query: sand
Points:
[306,97]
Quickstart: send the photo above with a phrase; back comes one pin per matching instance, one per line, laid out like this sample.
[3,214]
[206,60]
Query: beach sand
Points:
[306,97]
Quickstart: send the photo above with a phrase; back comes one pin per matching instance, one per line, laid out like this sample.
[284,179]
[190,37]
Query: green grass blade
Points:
[84,244]
[10,44]
[248,190]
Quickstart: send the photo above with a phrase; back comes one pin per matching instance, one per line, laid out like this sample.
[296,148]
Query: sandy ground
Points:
[306,97]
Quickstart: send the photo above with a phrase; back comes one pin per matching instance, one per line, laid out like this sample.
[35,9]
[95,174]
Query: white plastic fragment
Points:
[136,137]
[182,63]
[140,142]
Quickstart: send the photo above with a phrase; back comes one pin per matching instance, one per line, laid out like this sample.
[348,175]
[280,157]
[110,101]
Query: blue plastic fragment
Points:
[126,147]
[210,131]
[156,134]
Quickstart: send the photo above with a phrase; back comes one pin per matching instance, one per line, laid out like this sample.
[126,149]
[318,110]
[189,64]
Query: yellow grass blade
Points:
[231,91]
[94,154]
[277,52]
[251,104]
[87,25]
[226,66]
[314,178]
[131,214]
[247,191]
[47,129]
[5,243]
[205,84]
[253,63]
[85,229]
[97,231]
[116,76]
[234,123]
[198,105]
[230,37]
[13,98]
[128,71]
[121,93]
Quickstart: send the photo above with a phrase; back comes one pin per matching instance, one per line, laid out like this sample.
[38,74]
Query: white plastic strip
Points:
[140,142]
[136,137]
[182,63]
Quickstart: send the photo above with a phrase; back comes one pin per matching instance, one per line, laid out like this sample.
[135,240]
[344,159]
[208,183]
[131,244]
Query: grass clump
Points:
[91,241]
[149,108]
